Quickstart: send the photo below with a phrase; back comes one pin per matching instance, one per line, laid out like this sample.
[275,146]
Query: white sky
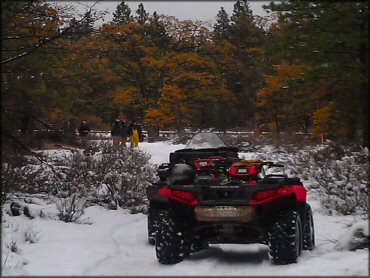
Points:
[194,10]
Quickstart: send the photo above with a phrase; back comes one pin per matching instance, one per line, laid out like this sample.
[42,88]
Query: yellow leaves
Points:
[274,83]
[256,50]
[59,115]
[280,98]
[322,118]
[186,60]
[171,94]
[153,62]
[158,117]
[277,28]
[190,71]
[94,121]
[326,121]
[124,96]
[320,90]
[290,70]
[171,107]
[117,30]
[263,97]
[168,107]
[172,100]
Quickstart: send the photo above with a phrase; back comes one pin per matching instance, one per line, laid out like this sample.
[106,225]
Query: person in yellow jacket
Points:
[135,137]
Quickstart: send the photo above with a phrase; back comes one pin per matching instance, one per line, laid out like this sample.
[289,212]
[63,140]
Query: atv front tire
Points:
[171,242]
[308,231]
[285,238]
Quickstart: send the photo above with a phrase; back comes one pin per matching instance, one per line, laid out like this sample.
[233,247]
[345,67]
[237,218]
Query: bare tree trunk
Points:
[277,127]
[153,132]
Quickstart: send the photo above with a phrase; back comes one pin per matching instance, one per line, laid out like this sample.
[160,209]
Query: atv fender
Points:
[152,192]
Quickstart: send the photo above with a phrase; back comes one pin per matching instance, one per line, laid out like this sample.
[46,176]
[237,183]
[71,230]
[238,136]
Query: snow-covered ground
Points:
[114,242]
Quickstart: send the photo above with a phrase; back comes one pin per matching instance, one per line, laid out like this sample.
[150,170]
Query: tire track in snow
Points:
[131,248]
[113,235]
[90,270]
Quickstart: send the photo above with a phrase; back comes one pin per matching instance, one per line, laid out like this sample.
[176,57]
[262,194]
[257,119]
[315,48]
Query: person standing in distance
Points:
[83,131]
[134,135]
[116,132]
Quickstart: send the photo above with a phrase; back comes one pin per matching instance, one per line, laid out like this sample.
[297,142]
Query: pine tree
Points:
[241,11]
[331,37]
[243,70]
[244,32]
[122,14]
[222,25]
[81,28]
[142,14]
[156,30]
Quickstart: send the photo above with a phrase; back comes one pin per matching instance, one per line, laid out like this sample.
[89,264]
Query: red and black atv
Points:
[207,195]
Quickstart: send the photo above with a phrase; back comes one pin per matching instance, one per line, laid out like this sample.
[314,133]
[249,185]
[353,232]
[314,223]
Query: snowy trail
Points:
[115,243]
[137,257]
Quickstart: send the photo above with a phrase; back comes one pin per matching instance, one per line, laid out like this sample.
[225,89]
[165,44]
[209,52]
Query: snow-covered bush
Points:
[15,234]
[30,235]
[105,176]
[71,208]
[24,173]
[109,177]
[122,176]
[13,174]
[9,177]
[341,174]
[357,237]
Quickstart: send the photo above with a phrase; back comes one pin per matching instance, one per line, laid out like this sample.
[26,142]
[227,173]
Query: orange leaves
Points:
[277,28]
[275,83]
[171,94]
[320,90]
[279,97]
[167,105]
[58,115]
[159,80]
[327,120]
[124,96]
[256,50]
[190,70]
[285,71]
[158,118]
[153,62]
[186,61]
[323,118]
[171,107]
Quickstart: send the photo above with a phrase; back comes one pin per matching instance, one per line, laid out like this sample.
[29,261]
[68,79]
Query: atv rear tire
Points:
[152,224]
[285,238]
[309,230]
[171,242]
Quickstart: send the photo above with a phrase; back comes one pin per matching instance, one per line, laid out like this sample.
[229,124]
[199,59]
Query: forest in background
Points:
[302,68]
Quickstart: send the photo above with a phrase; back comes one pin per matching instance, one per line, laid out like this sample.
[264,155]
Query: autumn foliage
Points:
[299,71]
